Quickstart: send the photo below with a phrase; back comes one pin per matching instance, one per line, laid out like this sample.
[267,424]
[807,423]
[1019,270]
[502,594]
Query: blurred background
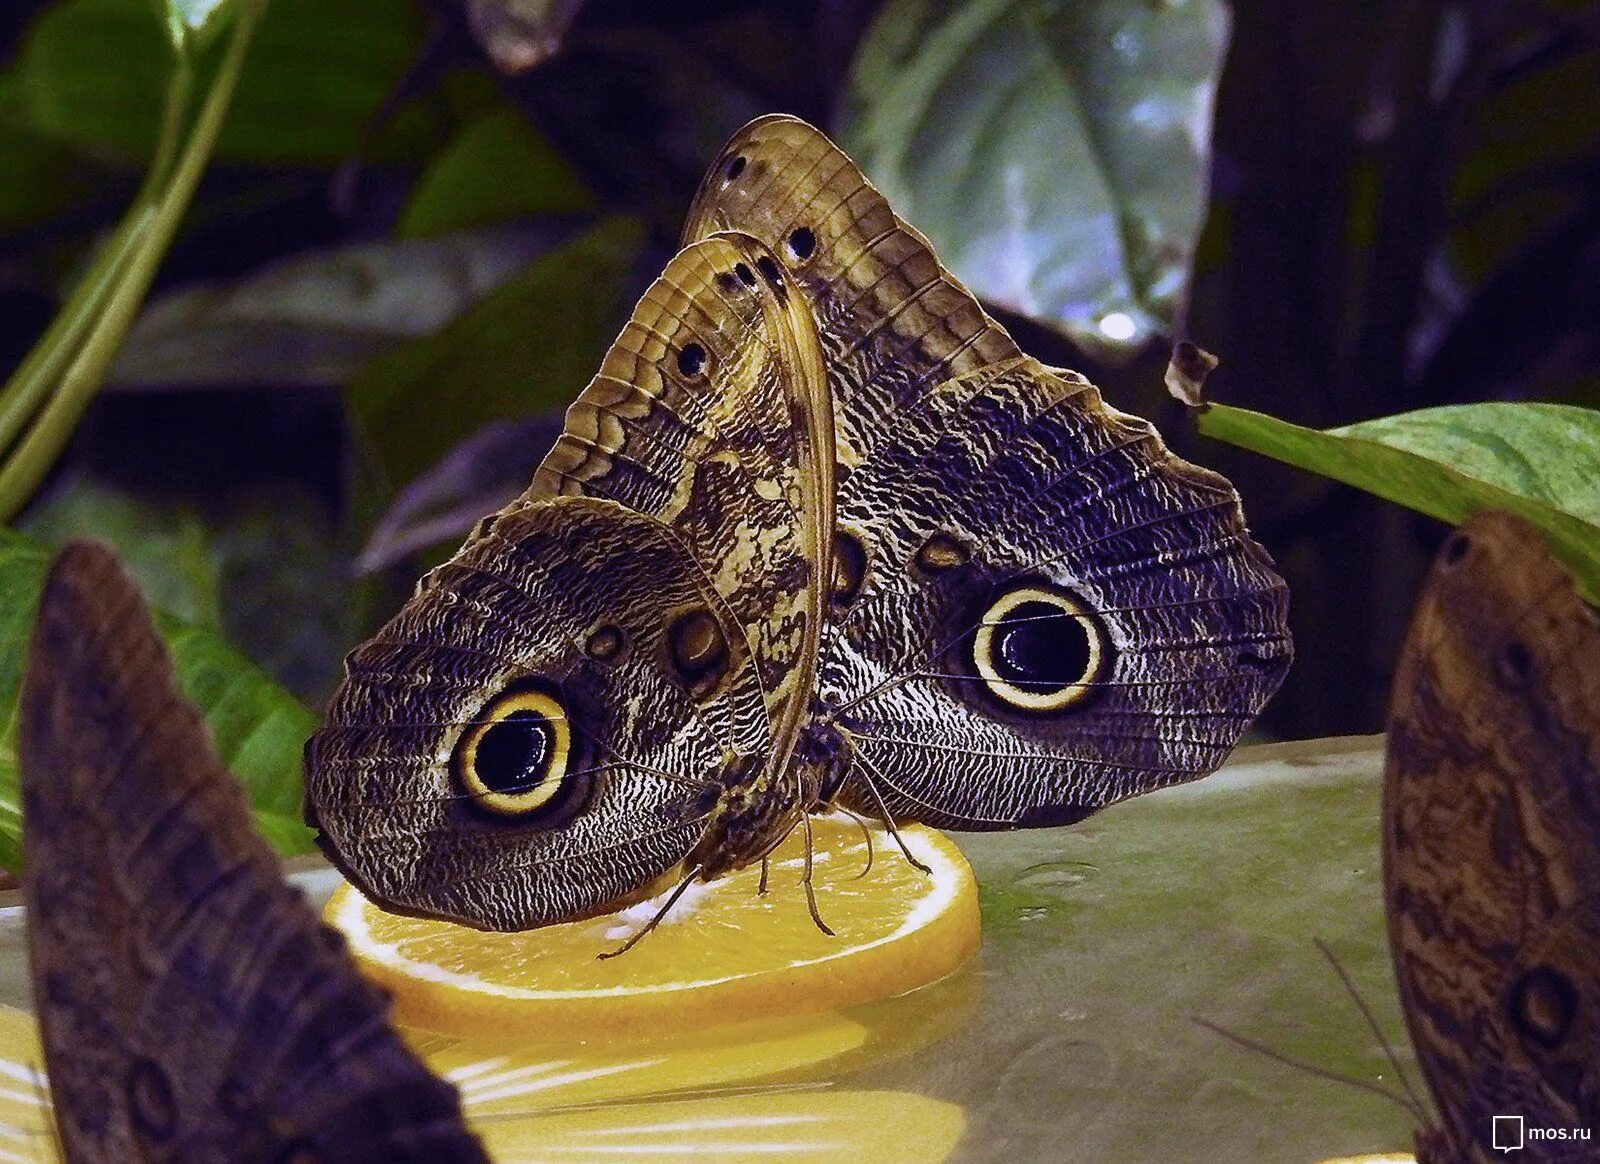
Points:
[422,223]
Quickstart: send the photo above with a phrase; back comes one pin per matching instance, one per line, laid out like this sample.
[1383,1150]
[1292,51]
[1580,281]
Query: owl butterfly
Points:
[818,533]
[192,1006]
[1491,844]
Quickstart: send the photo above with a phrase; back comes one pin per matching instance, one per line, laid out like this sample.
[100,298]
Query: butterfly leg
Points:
[869,772]
[671,901]
[811,892]
[866,835]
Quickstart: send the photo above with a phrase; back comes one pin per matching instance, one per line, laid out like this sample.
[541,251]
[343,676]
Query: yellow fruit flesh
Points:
[725,952]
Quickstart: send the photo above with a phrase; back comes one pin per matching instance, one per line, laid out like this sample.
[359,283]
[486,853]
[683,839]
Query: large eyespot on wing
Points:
[192,1006]
[1491,832]
[537,735]
[1054,612]
[1037,648]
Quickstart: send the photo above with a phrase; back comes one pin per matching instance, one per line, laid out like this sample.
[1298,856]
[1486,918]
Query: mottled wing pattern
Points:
[893,322]
[556,718]
[192,1006]
[707,414]
[1492,842]
[1038,609]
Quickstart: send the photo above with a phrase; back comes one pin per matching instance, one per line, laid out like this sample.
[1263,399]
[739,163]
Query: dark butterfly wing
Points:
[1492,841]
[1039,609]
[192,1006]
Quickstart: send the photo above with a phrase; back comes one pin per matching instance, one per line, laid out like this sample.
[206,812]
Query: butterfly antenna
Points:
[868,770]
[671,901]
[811,892]
[1311,1068]
[1372,1025]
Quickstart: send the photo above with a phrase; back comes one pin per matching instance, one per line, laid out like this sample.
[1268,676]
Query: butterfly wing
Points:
[554,721]
[1492,838]
[1039,609]
[192,1006]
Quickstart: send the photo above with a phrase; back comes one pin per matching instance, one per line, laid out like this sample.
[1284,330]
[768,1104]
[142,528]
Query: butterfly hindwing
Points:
[192,1006]
[563,712]
[1038,609]
[1492,841]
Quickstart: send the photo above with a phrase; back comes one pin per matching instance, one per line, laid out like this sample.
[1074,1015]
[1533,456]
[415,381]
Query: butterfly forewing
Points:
[191,1004]
[1492,842]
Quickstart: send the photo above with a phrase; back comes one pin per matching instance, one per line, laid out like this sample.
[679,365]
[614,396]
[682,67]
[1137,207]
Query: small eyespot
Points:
[727,283]
[1455,549]
[746,275]
[849,566]
[605,644]
[691,360]
[1255,660]
[942,552]
[734,169]
[1542,1004]
[1513,666]
[1038,649]
[299,1151]
[151,1105]
[800,244]
[698,647]
[769,269]
[512,760]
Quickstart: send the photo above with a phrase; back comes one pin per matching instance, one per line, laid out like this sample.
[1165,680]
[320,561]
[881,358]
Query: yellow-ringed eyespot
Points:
[1039,649]
[513,759]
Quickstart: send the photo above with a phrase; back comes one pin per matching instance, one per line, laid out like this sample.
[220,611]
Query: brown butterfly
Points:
[1491,845]
[818,533]
[192,1006]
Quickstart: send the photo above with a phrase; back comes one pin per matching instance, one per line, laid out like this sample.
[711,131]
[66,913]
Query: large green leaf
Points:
[496,169]
[258,727]
[1539,460]
[92,72]
[317,318]
[1055,154]
[529,346]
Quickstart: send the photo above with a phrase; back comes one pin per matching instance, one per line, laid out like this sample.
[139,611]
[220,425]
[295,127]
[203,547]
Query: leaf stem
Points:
[117,286]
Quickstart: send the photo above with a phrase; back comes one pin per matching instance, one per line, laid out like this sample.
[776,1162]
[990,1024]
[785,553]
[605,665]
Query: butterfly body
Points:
[1492,844]
[826,536]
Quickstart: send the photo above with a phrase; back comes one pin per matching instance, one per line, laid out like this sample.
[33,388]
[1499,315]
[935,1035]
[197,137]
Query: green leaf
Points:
[496,169]
[1055,154]
[317,318]
[91,73]
[258,728]
[164,549]
[529,346]
[1538,460]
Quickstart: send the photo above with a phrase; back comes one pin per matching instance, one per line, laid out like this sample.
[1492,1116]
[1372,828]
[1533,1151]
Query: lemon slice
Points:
[724,953]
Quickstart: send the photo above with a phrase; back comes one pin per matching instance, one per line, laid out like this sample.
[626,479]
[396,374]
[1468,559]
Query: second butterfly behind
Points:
[818,533]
